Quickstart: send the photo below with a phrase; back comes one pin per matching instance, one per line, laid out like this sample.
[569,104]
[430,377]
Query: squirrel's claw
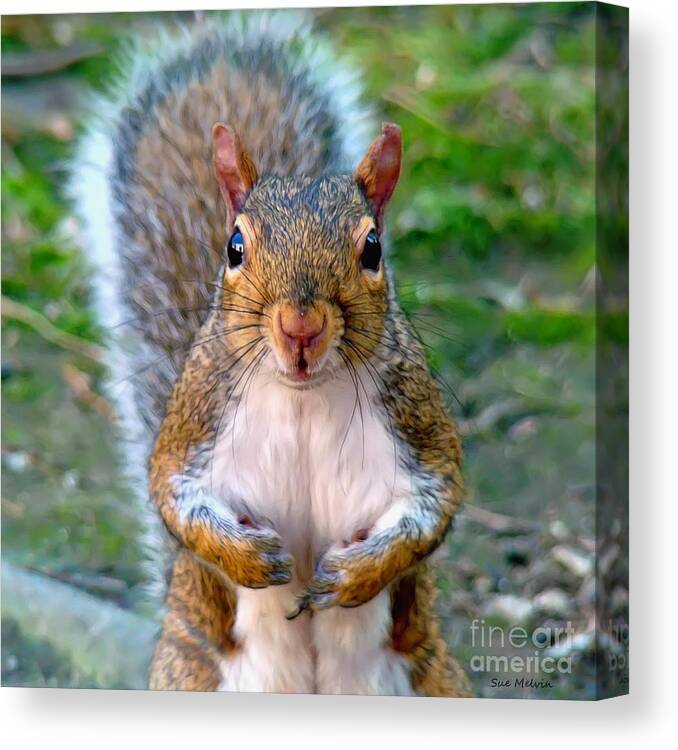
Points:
[339,578]
[322,593]
[303,602]
[323,590]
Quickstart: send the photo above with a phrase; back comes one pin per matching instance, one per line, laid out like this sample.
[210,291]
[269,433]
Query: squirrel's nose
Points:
[301,327]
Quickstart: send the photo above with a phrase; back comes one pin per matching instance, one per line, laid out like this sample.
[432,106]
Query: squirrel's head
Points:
[304,287]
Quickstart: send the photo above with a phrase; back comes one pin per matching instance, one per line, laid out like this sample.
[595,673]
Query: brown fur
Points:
[196,629]
[416,633]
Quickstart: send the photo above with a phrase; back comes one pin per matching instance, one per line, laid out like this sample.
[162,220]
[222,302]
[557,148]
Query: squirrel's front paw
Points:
[346,577]
[260,559]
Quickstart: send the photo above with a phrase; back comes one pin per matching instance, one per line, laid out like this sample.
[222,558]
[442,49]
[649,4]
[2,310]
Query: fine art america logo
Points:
[542,652]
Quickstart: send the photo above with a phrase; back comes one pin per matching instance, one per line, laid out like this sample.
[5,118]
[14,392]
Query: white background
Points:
[107,719]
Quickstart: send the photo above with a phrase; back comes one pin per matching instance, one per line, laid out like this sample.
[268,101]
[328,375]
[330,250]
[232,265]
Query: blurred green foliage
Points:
[493,234]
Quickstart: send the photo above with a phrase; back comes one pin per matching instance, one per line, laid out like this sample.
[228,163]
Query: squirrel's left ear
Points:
[233,167]
[378,172]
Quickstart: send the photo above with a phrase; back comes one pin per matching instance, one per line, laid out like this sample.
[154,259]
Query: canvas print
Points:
[314,352]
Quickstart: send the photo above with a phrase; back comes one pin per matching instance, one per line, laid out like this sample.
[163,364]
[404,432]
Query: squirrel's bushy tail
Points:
[153,222]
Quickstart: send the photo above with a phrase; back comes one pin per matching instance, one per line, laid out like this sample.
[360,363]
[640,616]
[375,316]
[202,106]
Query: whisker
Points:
[212,337]
[165,311]
[352,373]
[436,331]
[369,367]
[243,311]
[252,368]
[218,376]
[396,346]
[265,297]
[266,352]
[223,413]
[243,296]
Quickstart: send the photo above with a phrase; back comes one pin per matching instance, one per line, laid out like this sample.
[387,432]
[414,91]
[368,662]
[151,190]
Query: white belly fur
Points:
[299,459]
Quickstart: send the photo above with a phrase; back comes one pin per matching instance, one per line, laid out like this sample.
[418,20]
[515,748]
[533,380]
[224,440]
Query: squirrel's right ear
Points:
[378,172]
[233,167]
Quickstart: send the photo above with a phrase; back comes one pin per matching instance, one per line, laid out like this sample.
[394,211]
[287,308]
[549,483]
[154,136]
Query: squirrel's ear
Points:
[233,168]
[378,172]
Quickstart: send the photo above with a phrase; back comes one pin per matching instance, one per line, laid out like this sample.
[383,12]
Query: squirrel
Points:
[278,409]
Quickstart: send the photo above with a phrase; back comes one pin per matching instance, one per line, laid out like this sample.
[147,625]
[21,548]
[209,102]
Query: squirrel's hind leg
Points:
[391,645]
[179,664]
[200,649]
[416,636]
[196,632]
[353,652]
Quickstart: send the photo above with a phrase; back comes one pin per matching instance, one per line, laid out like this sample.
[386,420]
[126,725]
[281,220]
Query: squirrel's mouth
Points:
[301,339]
[300,372]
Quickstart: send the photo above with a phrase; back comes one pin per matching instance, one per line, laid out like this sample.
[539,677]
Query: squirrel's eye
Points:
[235,249]
[371,256]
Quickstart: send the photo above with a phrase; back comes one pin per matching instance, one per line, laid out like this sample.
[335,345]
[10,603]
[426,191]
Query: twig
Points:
[500,523]
[39,323]
[81,389]
[404,102]
[91,584]
[489,417]
[25,64]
